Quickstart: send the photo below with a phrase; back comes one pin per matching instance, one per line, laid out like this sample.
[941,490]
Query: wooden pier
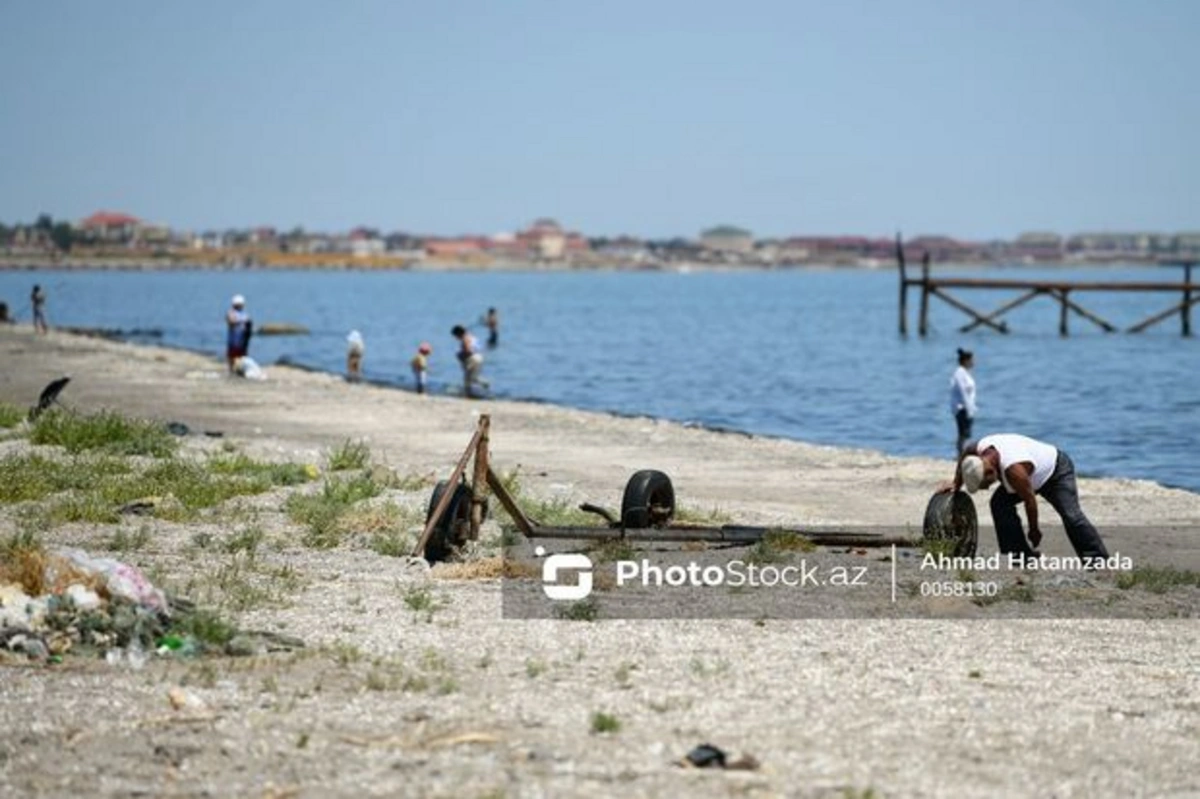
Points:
[1059,291]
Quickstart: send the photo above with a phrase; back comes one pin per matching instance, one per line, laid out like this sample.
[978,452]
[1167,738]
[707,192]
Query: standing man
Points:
[38,300]
[962,398]
[237,339]
[492,320]
[1026,468]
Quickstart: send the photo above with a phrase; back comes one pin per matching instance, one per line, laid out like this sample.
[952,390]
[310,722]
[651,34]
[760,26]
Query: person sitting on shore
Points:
[420,366]
[240,327]
[355,347]
[471,360]
[1026,468]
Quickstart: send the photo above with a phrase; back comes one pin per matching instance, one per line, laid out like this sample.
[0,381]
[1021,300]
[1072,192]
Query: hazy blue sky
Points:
[965,117]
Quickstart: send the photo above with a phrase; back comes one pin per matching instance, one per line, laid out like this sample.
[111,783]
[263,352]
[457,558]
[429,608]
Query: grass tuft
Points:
[1157,580]
[10,415]
[279,474]
[350,455]
[105,430]
[322,513]
[605,723]
[583,610]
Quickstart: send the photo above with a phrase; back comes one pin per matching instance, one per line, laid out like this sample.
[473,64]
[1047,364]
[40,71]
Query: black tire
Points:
[451,530]
[952,517]
[649,500]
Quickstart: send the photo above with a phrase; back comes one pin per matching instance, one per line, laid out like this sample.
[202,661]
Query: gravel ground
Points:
[445,696]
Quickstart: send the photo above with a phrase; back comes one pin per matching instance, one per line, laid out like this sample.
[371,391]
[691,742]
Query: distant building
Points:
[727,238]
[263,235]
[454,248]
[110,226]
[545,239]
[940,248]
[1187,243]
[364,242]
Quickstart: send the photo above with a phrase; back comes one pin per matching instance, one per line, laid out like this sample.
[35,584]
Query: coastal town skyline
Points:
[648,119]
[116,237]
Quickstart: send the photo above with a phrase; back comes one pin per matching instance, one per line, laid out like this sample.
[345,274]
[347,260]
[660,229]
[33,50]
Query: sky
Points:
[973,119]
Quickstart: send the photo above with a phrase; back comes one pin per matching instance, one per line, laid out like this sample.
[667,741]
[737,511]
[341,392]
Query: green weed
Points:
[105,430]
[350,455]
[10,415]
[122,540]
[583,610]
[321,513]
[245,540]
[605,723]
[1157,580]
[239,465]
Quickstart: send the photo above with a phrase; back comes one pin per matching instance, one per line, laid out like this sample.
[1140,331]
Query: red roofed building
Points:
[452,248]
[110,226]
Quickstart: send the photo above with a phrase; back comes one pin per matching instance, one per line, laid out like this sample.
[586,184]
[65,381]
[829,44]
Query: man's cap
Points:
[972,472]
[425,349]
[238,299]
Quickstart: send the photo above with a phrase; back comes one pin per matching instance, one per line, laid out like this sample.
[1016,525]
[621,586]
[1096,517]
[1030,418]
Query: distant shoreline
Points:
[27,264]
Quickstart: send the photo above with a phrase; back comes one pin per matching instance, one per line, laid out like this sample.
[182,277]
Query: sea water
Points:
[807,354]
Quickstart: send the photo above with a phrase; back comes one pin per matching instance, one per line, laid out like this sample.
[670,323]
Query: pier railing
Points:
[1060,291]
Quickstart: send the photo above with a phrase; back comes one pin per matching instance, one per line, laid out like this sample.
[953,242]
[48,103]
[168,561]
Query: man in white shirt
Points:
[1026,468]
[962,397]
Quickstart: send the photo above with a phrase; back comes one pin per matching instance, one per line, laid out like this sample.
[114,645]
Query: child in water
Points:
[420,365]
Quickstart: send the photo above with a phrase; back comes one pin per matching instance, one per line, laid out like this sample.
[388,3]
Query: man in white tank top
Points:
[1026,468]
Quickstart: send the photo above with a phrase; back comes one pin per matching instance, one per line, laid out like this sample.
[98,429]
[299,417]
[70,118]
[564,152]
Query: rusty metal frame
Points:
[484,478]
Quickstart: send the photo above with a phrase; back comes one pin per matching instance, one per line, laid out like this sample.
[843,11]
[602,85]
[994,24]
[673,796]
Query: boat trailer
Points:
[457,508]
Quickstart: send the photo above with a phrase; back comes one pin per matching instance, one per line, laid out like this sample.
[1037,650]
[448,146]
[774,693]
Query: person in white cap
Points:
[355,347]
[1027,468]
[237,340]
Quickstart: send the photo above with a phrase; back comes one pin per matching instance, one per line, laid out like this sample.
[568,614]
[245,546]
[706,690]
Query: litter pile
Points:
[65,599]
[56,601]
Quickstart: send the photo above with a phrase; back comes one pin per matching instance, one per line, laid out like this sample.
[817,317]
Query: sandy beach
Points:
[973,705]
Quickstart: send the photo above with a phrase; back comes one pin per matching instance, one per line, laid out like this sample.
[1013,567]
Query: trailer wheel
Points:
[649,500]
[451,530]
[952,517]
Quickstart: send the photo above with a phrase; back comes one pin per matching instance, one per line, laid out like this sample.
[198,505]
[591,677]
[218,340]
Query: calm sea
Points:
[812,355]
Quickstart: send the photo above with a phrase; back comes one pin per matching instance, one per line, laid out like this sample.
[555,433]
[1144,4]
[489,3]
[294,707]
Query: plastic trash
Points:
[248,368]
[121,579]
[83,597]
[177,645]
[132,656]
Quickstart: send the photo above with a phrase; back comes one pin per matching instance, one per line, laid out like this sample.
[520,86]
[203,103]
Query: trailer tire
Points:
[451,530]
[952,517]
[649,500]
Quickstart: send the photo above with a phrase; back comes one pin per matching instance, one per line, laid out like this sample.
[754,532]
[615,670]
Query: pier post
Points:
[923,324]
[903,286]
[1185,312]
[1062,315]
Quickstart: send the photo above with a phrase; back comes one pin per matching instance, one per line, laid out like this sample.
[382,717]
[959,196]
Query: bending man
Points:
[1026,468]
